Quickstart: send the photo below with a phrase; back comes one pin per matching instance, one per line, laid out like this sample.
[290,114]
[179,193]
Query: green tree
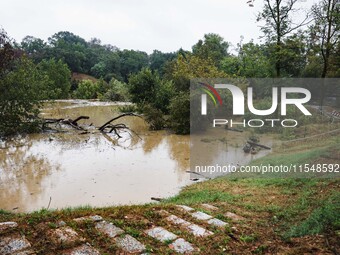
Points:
[159,59]
[143,85]
[188,66]
[20,87]
[34,47]
[59,79]
[132,61]
[70,48]
[294,55]
[325,30]
[252,61]
[180,113]
[325,35]
[278,24]
[212,46]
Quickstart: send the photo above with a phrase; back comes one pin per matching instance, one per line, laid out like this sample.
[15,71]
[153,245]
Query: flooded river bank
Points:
[68,169]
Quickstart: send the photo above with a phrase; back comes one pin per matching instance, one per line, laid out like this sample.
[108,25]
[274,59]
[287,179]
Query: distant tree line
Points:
[158,83]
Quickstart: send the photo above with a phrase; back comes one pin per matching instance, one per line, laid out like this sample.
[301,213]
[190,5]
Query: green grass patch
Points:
[193,196]
[321,220]
[291,158]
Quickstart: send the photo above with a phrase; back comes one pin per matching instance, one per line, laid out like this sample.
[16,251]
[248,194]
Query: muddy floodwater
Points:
[70,169]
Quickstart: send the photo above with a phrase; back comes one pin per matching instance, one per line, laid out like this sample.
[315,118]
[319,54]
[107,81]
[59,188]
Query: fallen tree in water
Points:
[70,122]
[108,127]
[253,147]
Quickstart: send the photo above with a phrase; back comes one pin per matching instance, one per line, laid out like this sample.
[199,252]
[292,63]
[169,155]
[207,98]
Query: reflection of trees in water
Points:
[178,146]
[128,140]
[21,174]
[179,150]
[206,148]
[152,140]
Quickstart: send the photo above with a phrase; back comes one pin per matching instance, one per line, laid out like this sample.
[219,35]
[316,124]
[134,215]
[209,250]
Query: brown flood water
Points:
[95,169]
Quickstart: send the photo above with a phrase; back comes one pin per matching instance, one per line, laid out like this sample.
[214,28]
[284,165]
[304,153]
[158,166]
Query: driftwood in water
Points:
[259,145]
[157,199]
[192,172]
[80,118]
[70,122]
[108,127]
[115,128]
[108,124]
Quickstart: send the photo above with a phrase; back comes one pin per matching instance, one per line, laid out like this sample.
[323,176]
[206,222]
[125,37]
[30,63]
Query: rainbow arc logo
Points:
[209,90]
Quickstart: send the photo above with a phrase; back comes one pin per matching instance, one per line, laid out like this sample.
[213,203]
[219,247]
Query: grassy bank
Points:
[281,215]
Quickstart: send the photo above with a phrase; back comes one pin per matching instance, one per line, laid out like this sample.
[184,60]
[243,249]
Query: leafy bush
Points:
[117,91]
[143,85]
[128,108]
[180,113]
[164,93]
[154,117]
[86,90]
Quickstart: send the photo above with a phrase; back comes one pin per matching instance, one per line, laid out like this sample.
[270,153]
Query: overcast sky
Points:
[166,25]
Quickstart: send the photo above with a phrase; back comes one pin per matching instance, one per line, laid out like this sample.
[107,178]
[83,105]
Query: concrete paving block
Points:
[129,244]
[65,236]
[177,221]
[92,218]
[84,249]
[217,223]
[185,208]
[5,226]
[201,216]
[108,229]
[161,234]
[198,231]
[13,244]
[182,246]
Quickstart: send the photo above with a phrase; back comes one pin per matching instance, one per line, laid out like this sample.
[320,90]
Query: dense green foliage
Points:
[20,86]
[59,78]
[87,90]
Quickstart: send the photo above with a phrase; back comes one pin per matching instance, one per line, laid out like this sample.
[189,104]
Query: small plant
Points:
[133,232]
[167,242]
[128,108]
[248,238]
[52,225]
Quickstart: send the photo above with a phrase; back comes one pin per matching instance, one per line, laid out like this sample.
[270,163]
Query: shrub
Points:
[20,92]
[117,91]
[180,113]
[86,90]
[154,117]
